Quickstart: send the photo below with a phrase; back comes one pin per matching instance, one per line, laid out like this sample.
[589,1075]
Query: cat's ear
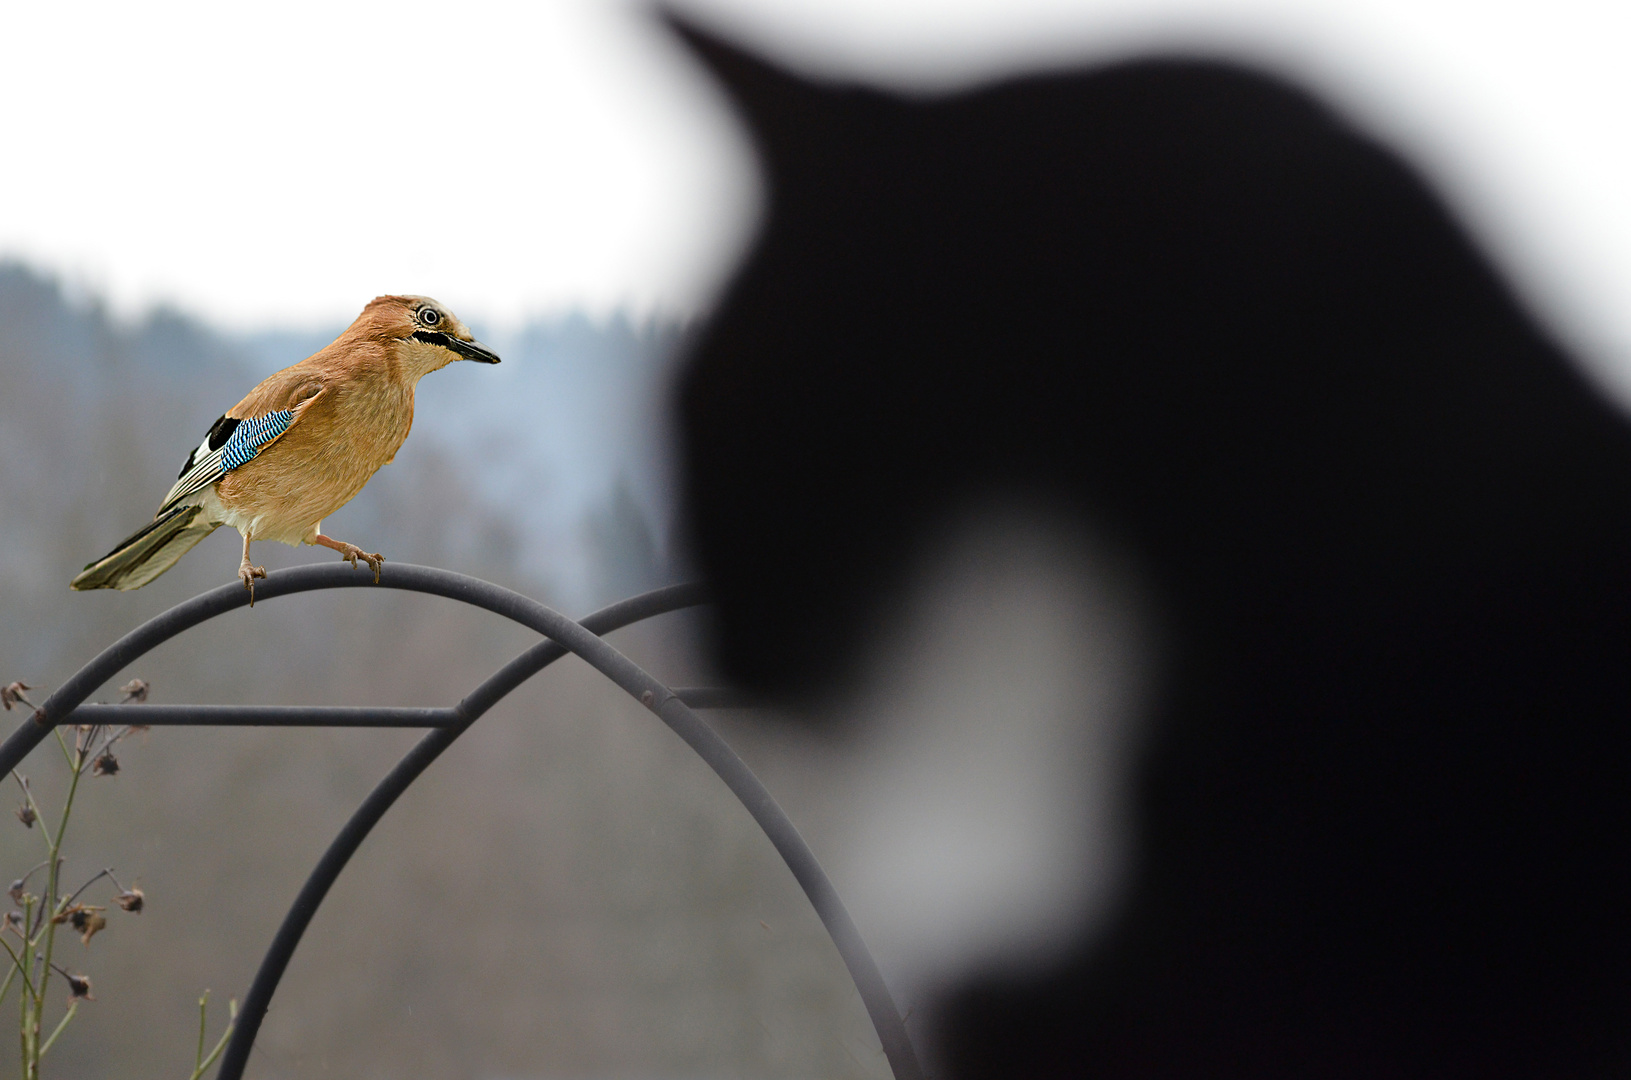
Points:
[785,113]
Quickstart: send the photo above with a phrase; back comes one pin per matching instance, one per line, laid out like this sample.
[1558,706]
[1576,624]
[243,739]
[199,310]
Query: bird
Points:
[299,446]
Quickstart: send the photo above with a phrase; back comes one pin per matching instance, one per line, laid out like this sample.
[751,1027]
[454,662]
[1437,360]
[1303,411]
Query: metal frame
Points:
[673,707]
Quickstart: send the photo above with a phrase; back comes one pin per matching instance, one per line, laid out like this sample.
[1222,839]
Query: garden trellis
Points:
[562,635]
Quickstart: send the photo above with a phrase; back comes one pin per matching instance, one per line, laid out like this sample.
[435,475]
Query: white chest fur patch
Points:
[986,774]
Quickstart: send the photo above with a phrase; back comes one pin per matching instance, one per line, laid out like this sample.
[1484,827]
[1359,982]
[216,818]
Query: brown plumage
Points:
[300,445]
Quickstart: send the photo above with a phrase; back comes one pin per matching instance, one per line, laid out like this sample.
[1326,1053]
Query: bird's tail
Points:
[148,553]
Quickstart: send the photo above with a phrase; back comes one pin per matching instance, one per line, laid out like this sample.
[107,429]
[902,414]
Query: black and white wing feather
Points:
[179,525]
[230,443]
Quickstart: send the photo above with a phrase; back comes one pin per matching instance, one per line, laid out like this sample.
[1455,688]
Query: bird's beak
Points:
[472,350]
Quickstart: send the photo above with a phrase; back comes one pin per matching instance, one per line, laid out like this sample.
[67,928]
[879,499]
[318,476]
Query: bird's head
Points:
[424,334]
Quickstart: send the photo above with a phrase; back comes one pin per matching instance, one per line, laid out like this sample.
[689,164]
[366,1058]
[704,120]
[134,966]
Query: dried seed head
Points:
[132,900]
[14,921]
[105,764]
[89,924]
[85,918]
[73,914]
[79,986]
[135,690]
[26,815]
[16,891]
[12,693]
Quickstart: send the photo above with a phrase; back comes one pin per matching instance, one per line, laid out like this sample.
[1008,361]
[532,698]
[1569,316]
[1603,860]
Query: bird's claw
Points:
[352,553]
[247,574]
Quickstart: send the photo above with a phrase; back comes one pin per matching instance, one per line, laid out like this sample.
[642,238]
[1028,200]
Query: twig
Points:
[45,830]
[37,929]
[78,765]
[67,754]
[22,882]
[203,1017]
[69,902]
[85,738]
[16,966]
[113,737]
[232,1022]
[73,1007]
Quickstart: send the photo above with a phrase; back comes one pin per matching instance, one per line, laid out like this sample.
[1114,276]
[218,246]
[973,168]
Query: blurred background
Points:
[193,196]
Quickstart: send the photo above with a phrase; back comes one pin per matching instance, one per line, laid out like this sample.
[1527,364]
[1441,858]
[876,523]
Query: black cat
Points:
[1382,821]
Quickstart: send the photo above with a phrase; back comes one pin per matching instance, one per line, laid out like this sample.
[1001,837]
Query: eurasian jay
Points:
[300,445]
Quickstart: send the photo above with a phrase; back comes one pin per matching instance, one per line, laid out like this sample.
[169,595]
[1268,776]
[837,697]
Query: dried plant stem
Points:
[69,902]
[203,1019]
[73,1007]
[35,926]
[16,966]
[38,817]
[24,964]
[67,754]
[107,743]
[203,1062]
[32,871]
[49,906]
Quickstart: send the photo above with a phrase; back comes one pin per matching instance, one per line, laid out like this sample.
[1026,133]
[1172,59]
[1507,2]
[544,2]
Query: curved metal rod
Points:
[278,716]
[385,793]
[346,716]
[582,640]
[577,638]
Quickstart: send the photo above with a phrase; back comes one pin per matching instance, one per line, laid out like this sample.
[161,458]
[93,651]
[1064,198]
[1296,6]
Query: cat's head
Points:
[1180,298]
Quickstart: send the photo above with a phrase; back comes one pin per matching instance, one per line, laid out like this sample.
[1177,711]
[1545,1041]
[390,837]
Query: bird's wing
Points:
[249,427]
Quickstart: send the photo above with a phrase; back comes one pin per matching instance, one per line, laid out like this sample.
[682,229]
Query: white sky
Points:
[280,164]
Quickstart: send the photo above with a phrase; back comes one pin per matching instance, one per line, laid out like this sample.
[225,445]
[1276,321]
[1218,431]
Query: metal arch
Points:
[565,635]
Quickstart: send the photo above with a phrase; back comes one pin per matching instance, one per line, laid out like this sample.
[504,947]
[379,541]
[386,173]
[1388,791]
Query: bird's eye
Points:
[429,316]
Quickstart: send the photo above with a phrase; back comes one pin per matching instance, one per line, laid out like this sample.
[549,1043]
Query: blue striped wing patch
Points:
[249,436]
[247,440]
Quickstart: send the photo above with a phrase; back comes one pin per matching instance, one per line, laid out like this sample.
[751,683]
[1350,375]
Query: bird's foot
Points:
[351,553]
[247,574]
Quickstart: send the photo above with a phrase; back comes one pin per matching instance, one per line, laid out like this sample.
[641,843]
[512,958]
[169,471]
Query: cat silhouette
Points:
[1381,806]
